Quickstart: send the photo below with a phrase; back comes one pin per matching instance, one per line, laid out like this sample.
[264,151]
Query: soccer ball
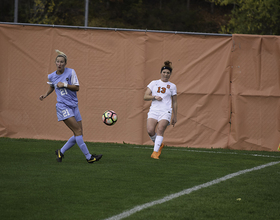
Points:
[109,117]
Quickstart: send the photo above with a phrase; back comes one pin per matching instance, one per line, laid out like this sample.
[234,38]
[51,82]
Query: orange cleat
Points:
[160,149]
[155,155]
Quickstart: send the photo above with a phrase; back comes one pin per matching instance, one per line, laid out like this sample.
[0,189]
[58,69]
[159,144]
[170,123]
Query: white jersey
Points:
[165,90]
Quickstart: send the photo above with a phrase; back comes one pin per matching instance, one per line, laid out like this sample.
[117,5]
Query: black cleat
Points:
[59,156]
[94,158]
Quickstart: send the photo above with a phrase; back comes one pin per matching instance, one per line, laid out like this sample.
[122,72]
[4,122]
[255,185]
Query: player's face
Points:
[60,64]
[165,75]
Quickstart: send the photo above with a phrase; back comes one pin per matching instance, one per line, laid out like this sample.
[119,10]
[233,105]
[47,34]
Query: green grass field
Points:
[34,185]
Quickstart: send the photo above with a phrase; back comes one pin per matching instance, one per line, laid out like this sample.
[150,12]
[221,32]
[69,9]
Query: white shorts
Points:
[159,115]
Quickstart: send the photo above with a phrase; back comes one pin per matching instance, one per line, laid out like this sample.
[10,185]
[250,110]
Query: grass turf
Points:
[34,186]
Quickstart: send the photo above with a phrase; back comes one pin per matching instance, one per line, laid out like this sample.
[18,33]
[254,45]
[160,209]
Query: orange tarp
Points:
[228,87]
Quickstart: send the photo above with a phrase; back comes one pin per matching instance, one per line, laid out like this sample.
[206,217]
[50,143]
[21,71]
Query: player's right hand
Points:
[158,98]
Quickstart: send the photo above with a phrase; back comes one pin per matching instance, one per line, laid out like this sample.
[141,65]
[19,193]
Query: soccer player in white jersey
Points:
[164,102]
[65,83]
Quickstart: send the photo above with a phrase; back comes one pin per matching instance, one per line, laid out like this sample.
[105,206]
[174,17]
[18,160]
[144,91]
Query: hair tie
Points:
[166,67]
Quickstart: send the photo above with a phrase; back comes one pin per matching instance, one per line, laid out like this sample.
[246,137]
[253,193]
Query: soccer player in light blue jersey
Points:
[163,94]
[65,83]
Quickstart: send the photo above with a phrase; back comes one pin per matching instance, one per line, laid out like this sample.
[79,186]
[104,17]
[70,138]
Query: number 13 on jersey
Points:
[161,90]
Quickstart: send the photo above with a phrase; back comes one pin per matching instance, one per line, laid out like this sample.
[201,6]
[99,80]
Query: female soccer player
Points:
[164,101]
[65,83]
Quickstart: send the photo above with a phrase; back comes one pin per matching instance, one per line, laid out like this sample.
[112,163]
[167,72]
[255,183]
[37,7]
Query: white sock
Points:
[153,138]
[158,142]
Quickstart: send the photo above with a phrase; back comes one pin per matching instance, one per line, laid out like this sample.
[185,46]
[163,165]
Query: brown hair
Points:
[167,65]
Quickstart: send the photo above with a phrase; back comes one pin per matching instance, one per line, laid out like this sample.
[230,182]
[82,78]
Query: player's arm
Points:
[50,90]
[148,96]
[65,85]
[174,109]
[74,83]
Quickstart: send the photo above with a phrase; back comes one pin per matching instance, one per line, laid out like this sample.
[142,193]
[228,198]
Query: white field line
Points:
[186,192]
[212,152]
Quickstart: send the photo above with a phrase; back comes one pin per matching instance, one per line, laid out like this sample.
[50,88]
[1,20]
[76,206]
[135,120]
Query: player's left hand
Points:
[174,120]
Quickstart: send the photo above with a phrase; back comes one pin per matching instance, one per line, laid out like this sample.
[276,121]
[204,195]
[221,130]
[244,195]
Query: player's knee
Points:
[160,131]
[78,132]
[151,132]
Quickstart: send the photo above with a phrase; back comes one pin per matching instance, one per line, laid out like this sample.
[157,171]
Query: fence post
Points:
[16,12]
[86,13]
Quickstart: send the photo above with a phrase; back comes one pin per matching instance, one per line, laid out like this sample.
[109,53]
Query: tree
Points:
[252,17]
[169,15]
[42,12]
[62,12]
[6,10]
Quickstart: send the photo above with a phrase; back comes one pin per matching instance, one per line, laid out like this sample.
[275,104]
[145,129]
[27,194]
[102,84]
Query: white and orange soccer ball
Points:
[109,117]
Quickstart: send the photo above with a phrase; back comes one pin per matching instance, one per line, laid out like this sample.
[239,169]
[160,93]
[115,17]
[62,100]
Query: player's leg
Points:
[81,126]
[162,125]
[77,129]
[151,127]
[70,143]
[164,121]
[74,126]
[60,152]
[83,147]
[63,113]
